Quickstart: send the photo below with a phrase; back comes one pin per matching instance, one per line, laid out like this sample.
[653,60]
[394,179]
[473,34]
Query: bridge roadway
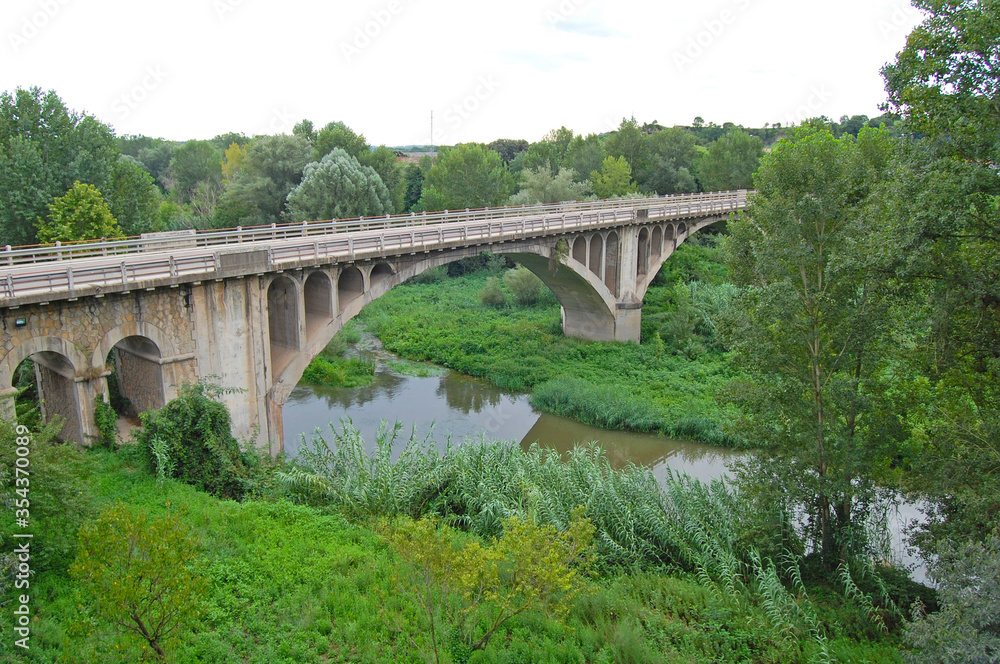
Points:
[38,274]
[251,307]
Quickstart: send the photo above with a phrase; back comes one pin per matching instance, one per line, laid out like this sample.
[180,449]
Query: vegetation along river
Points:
[458,408]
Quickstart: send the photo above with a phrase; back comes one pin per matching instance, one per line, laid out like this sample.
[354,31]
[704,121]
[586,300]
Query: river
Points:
[458,408]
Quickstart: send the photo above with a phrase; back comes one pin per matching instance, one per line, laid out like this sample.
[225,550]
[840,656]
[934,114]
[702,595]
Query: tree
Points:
[338,135]
[812,330]
[946,224]
[192,163]
[540,186]
[133,197]
[235,160]
[414,187]
[508,148]
[336,188]
[629,143]
[672,155]
[526,287]
[466,176]
[383,161]
[585,155]
[965,630]
[256,195]
[139,574]
[81,214]
[730,162]
[44,149]
[614,179]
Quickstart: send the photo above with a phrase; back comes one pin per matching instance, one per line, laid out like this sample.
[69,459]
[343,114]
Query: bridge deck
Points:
[36,274]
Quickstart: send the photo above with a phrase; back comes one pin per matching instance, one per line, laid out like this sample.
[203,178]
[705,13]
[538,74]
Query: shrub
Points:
[492,295]
[60,495]
[107,424]
[139,575]
[965,629]
[195,430]
[526,287]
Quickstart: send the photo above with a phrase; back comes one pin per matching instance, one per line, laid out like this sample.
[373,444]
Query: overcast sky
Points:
[513,69]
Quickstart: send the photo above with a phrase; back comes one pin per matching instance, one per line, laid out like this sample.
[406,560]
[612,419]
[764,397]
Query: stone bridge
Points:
[248,309]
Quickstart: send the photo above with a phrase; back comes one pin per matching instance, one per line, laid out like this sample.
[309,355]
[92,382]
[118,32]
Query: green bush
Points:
[139,577]
[59,493]
[526,287]
[107,424]
[492,295]
[340,372]
[196,431]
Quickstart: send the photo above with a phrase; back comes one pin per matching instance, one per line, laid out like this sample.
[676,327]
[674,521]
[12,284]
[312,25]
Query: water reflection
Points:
[459,407]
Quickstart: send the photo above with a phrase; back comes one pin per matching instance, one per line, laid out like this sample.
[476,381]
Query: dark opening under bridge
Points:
[250,308]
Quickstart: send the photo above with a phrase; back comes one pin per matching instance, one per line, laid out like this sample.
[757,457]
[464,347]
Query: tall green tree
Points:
[192,163]
[614,179]
[44,149]
[133,197]
[540,186]
[271,168]
[338,135]
[81,214]
[946,225]
[586,155]
[730,162]
[469,175]
[812,329]
[338,187]
[629,142]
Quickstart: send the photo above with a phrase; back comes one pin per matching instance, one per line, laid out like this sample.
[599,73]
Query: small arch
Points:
[282,321]
[656,243]
[350,285]
[57,393]
[580,250]
[137,377]
[611,263]
[596,254]
[318,296]
[670,233]
[380,274]
[681,230]
[642,253]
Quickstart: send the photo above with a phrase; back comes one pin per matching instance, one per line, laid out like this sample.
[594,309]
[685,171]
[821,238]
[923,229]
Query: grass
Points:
[523,349]
[292,583]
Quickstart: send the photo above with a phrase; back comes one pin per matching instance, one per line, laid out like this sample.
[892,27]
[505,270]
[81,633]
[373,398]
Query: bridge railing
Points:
[12,256]
[127,264]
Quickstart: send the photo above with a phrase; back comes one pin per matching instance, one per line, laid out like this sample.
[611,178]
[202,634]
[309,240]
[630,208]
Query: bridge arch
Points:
[580,250]
[596,257]
[136,351]
[350,286]
[284,321]
[318,305]
[60,371]
[380,275]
